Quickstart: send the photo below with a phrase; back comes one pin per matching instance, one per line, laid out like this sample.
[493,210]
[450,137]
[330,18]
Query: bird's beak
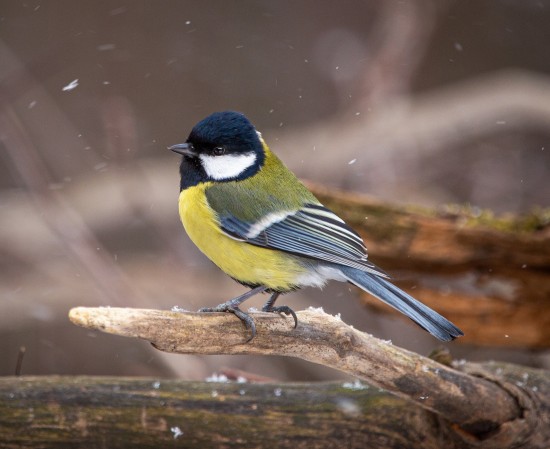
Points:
[185,149]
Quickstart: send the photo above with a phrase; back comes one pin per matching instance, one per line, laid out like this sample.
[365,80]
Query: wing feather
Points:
[312,231]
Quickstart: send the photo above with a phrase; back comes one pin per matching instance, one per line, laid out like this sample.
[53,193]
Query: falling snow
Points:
[72,85]
[222,378]
[176,431]
[315,309]
[355,385]
[349,407]
[178,309]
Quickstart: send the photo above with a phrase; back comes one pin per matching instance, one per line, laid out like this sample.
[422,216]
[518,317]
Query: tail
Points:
[422,315]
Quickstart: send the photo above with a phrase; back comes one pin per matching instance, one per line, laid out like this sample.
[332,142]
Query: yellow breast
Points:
[247,263]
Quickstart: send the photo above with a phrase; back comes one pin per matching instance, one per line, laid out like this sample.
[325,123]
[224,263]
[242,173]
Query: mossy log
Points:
[58,412]
[97,412]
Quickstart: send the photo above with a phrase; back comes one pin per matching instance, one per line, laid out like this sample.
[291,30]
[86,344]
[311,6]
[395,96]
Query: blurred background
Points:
[414,102]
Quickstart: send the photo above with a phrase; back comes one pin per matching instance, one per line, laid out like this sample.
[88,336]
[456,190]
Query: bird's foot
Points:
[281,309]
[230,307]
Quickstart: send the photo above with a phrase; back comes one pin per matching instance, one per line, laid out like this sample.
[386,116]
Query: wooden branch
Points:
[479,405]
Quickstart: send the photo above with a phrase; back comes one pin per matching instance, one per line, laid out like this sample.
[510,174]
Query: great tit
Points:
[256,221]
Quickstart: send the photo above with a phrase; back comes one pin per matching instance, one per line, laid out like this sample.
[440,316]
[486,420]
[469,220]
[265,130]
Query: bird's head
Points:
[224,146]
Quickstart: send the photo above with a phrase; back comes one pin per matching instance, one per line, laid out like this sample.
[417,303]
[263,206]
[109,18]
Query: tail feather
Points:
[422,315]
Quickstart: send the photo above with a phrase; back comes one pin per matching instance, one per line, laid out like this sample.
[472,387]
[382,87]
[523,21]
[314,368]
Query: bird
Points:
[251,216]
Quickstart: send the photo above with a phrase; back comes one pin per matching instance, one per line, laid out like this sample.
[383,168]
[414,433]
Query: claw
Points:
[243,316]
[247,320]
[232,306]
[282,309]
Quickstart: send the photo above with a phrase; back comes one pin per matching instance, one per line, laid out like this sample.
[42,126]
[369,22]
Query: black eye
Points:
[218,151]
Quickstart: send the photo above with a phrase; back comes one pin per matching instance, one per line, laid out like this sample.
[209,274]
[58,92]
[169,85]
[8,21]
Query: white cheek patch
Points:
[227,166]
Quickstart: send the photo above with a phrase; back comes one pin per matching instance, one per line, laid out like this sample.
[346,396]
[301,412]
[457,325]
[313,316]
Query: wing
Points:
[312,231]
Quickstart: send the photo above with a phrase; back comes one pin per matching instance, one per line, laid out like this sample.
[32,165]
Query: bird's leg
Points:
[268,307]
[232,306]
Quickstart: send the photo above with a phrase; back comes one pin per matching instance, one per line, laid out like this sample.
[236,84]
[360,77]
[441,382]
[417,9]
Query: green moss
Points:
[473,216]
[389,220]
